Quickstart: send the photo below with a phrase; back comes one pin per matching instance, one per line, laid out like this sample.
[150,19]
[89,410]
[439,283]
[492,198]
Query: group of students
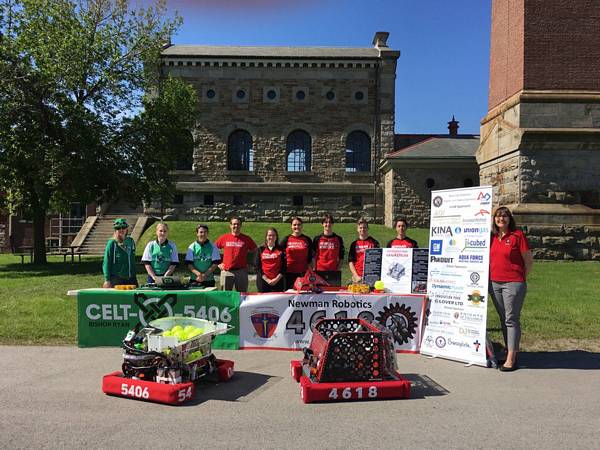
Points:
[277,264]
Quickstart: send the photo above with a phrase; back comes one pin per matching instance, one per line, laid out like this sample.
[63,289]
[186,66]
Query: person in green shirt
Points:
[202,258]
[160,256]
[119,257]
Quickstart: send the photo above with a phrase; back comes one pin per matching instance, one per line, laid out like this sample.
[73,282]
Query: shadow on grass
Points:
[241,388]
[571,359]
[85,267]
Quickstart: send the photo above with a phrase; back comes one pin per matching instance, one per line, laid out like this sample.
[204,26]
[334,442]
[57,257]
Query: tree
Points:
[72,72]
[158,137]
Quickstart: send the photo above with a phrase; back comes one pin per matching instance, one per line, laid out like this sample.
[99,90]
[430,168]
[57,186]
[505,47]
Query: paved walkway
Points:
[51,397]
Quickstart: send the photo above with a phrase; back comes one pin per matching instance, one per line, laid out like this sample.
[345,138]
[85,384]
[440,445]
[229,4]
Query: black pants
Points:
[263,286]
[205,284]
[333,277]
[290,278]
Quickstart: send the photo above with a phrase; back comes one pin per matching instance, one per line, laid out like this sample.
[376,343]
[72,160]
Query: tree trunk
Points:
[39,236]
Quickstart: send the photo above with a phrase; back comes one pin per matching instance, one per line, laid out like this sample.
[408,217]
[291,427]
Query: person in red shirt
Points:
[328,250]
[356,255]
[270,264]
[235,246]
[510,262]
[402,240]
[298,253]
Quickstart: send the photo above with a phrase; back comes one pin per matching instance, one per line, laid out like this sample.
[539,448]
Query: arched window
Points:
[240,155]
[298,151]
[358,152]
[185,151]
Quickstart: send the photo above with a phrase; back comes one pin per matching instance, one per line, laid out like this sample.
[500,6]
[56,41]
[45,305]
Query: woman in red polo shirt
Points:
[298,253]
[270,264]
[510,262]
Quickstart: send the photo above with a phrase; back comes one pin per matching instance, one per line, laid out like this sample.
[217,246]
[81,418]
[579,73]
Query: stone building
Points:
[421,163]
[286,130]
[540,141]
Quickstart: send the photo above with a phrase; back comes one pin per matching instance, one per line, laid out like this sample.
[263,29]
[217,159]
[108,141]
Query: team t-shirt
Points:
[328,251]
[356,254]
[160,256]
[506,260]
[402,243]
[298,253]
[202,255]
[270,262]
[235,250]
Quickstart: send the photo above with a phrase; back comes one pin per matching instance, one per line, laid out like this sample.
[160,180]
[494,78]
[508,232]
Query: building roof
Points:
[439,146]
[215,51]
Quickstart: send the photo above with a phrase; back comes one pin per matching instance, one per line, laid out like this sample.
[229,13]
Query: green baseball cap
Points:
[119,224]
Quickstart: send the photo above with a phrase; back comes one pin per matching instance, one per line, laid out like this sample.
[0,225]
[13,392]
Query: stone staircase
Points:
[97,230]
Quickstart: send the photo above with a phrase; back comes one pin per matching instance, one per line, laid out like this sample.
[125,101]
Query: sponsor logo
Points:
[466,331]
[440,341]
[457,230]
[476,298]
[444,230]
[264,321]
[484,199]
[482,212]
[429,341]
[469,317]
[435,247]
[475,243]
[437,201]
[474,277]
[470,258]
[441,259]
[461,344]
[476,230]
[476,344]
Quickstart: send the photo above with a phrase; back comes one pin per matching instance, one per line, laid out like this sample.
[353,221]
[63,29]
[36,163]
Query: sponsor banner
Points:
[285,320]
[104,317]
[458,273]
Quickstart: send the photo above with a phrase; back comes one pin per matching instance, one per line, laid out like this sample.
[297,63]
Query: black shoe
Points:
[503,368]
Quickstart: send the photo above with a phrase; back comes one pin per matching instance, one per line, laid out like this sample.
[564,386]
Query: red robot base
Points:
[349,359]
[171,394]
[311,392]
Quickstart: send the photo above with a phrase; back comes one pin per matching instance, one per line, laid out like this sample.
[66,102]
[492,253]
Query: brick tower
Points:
[540,141]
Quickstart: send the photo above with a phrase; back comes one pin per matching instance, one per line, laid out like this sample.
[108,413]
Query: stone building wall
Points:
[363,85]
[411,197]
[564,242]
[274,207]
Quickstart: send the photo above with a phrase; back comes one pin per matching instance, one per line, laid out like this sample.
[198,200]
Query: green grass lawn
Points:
[562,303]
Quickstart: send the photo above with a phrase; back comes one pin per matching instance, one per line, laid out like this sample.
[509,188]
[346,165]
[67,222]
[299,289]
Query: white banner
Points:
[457,281]
[285,320]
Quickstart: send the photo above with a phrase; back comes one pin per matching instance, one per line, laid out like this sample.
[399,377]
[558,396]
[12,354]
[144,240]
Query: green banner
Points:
[105,316]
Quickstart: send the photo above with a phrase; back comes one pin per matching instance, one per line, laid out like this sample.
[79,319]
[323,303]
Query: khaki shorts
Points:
[234,278]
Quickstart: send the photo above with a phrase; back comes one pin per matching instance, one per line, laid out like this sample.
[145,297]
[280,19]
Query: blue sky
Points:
[444,64]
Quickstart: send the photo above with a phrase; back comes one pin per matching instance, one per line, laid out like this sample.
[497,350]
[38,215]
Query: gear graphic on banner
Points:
[400,320]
